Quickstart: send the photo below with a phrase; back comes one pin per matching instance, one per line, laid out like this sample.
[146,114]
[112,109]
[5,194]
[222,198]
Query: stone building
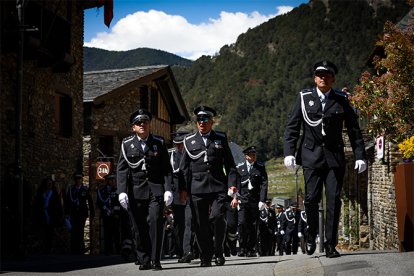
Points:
[41,121]
[110,96]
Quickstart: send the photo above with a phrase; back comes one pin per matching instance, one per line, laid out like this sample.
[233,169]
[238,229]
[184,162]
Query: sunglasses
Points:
[203,119]
[141,122]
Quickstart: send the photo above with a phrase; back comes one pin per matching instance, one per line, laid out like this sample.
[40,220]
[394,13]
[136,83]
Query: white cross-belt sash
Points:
[196,156]
[292,219]
[133,165]
[172,163]
[249,185]
[305,115]
[301,215]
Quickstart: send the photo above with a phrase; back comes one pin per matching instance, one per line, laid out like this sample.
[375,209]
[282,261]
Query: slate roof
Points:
[407,22]
[97,83]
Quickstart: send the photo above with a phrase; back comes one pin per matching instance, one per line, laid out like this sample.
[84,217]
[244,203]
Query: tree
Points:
[387,97]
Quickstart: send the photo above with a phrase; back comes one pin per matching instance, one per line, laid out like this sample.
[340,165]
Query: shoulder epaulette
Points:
[127,139]
[340,93]
[306,91]
[260,163]
[159,138]
[239,165]
[220,133]
[190,136]
[171,150]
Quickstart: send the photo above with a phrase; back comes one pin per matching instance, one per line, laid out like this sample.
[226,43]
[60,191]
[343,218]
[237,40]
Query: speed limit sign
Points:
[102,169]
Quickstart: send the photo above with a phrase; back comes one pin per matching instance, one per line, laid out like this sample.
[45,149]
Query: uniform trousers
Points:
[248,217]
[209,221]
[314,181]
[148,215]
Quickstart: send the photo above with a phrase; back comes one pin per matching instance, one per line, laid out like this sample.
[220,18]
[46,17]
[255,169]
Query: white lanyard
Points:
[305,115]
[133,165]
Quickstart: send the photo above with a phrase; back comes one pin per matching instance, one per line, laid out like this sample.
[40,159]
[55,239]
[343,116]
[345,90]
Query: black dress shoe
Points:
[187,258]
[205,263]
[251,254]
[156,266]
[310,245]
[331,251]
[242,253]
[220,261]
[145,267]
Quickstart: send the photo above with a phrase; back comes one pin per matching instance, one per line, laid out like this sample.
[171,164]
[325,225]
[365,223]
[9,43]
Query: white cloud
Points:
[174,34]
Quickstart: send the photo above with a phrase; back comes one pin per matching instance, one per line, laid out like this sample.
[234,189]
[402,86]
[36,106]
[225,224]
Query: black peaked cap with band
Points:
[325,66]
[204,110]
[140,115]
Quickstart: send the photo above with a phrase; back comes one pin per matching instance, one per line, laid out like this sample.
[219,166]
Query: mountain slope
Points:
[99,59]
[253,82]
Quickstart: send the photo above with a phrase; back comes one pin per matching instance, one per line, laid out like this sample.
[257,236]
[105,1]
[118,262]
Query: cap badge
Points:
[311,103]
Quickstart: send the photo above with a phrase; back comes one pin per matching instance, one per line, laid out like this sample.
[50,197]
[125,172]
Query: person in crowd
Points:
[48,212]
[290,222]
[78,207]
[144,187]
[318,117]
[183,232]
[279,232]
[107,202]
[210,175]
[303,231]
[169,250]
[267,225]
[253,194]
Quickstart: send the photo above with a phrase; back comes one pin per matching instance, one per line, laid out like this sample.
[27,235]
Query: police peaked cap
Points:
[248,150]
[203,110]
[140,115]
[279,206]
[326,66]
[294,204]
[179,136]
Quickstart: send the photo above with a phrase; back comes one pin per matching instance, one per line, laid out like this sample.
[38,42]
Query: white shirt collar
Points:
[320,93]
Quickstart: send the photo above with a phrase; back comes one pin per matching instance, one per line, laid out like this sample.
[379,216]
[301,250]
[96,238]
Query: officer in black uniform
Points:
[181,204]
[253,194]
[323,112]
[211,175]
[144,183]
[290,223]
[279,232]
[107,201]
[267,225]
[79,206]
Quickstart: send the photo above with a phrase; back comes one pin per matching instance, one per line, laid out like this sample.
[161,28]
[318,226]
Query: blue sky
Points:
[189,28]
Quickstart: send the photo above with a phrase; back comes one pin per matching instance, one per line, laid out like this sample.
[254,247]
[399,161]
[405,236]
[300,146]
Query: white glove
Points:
[123,200]
[299,234]
[290,162]
[282,232]
[168,198]
[232,192]
[361,165]
[261,205]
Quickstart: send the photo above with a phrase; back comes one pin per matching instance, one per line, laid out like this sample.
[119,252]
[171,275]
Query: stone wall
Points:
[44,151]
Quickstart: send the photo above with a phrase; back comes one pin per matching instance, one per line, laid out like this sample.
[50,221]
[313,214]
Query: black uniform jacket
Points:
[314,148]
[258,180]
[155,177]
[177,179]
[218,173]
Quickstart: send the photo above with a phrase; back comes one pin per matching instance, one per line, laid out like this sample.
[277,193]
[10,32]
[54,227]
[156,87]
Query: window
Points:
[63,115]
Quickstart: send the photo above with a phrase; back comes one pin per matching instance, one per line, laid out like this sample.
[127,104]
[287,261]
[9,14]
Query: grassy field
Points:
[282,181]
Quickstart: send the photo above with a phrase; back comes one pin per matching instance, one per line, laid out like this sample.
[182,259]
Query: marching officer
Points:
[211,175]
[267,224]
[107,201]
[323,112]
[79,206]
[290,222]
[181,203]
[279,232]
[144,183]
[253,194]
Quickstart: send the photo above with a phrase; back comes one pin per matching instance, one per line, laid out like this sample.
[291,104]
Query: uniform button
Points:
[323,144]
[208,171]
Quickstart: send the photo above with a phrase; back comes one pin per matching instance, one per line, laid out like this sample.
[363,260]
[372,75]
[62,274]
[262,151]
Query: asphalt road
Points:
[350,263]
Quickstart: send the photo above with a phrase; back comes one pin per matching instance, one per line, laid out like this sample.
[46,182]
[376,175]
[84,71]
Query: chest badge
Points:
[311,103]
[193,142]
[132,146]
